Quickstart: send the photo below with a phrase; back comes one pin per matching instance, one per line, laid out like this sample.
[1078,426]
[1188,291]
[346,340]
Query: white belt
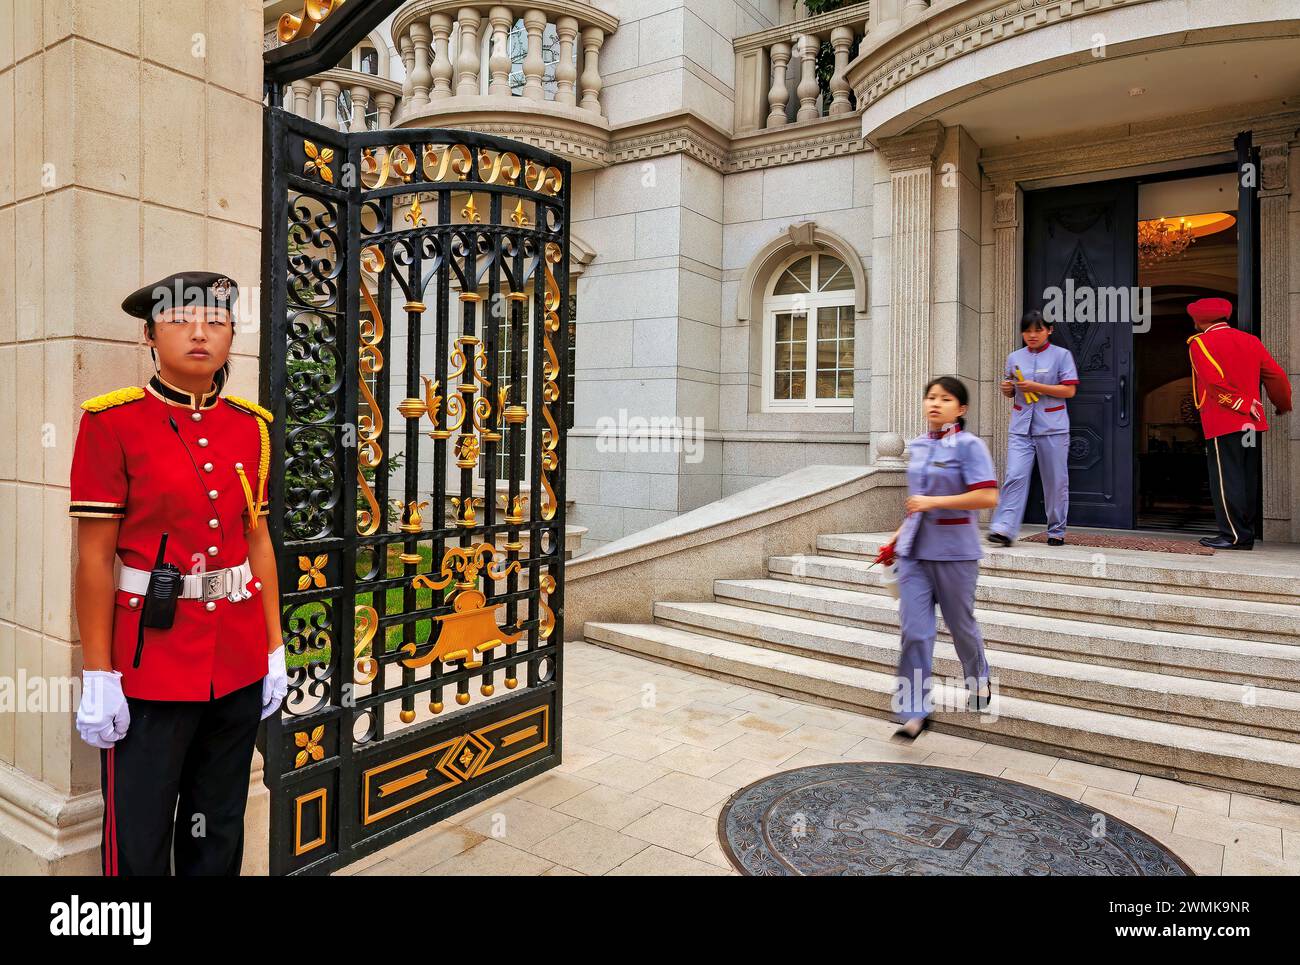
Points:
[209,585]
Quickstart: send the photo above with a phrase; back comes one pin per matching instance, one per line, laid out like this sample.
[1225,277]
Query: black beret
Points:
[179,290]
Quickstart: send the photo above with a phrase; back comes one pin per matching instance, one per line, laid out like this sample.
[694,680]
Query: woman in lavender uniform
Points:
[950,478]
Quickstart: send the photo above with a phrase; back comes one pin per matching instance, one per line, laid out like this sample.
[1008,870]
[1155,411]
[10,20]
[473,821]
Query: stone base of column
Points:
[45,832]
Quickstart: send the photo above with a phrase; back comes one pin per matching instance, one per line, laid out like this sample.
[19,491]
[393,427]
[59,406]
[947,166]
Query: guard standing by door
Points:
[1038,379]
[1228,366]
[182,650]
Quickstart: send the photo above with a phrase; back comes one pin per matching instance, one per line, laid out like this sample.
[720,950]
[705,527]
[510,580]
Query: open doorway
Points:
[1187,249]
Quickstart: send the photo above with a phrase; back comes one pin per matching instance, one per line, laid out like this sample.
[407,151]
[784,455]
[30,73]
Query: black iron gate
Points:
[415,294]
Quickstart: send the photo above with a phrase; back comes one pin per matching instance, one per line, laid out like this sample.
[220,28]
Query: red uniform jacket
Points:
[1228,366]
[130,464]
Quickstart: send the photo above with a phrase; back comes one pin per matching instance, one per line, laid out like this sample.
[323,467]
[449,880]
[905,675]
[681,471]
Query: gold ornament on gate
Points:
[471,629]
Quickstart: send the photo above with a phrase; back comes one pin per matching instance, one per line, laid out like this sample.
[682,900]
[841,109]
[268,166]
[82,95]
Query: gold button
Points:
[212,494]
[196,416]
[210,605]
[207,467]
[134,601]
[203,442]
[213,523]
[239,465]
[212,551]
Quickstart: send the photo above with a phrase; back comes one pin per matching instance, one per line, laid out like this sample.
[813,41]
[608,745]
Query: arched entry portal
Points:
[421,586]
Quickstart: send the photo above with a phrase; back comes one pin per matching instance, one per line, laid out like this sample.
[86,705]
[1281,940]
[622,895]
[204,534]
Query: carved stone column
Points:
[1275,324]
[1007,208]
[911,164]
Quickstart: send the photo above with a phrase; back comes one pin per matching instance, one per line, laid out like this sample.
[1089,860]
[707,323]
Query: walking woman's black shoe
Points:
[1055,541]
[910,735]
[997,539]
[980,699]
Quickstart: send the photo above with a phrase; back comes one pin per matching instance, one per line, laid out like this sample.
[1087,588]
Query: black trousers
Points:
[1234,484]
[175,787]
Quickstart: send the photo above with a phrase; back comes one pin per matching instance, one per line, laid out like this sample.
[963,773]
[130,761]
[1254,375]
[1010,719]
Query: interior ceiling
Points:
[1176,81]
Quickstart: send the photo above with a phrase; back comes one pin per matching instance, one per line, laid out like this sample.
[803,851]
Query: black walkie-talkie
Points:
[159,610]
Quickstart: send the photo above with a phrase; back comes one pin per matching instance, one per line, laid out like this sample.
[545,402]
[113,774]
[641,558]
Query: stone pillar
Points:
[911,164]
[1008,207]
[141,156]
[1275,258]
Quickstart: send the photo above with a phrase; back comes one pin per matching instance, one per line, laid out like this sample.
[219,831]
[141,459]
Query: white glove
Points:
[103,716]
[275,684]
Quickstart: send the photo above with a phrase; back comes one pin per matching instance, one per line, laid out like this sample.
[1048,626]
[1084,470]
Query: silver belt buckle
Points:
[214,584]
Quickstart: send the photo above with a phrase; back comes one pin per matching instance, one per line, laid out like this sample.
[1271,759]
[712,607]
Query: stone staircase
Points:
[1185,667]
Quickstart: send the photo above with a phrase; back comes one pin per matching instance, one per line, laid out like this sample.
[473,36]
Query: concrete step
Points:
[1175,612]
[1234,576]
[1252,765]
[1260,712]
[1244,663]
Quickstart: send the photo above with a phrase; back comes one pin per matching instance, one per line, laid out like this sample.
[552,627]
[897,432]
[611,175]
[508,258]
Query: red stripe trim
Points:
[1054,408]
[986,484]
[1017,407]
[953,521]
[1069,382]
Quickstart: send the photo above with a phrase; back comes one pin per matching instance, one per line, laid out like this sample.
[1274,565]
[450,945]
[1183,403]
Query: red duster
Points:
[1228,366]
[130,464]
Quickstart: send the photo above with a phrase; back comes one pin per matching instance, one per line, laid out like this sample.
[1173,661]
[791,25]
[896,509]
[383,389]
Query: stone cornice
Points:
[1130,145]
[946,33]
[826,137]
[689,133]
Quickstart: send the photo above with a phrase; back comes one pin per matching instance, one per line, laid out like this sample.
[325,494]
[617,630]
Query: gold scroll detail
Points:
[370,425]
[291,27]
[550,458]
[452,158]
[311,571]
[546,583]
[309,745]
[398,160]
[506,162]
[366,665]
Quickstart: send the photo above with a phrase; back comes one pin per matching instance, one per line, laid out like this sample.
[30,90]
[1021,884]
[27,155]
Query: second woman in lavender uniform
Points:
[950,478]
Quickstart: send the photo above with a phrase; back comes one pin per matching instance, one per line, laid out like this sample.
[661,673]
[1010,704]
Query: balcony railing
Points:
[796,72]
[485,56]
[348,100]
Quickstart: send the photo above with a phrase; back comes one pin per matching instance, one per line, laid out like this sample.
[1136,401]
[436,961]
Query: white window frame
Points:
[808,303]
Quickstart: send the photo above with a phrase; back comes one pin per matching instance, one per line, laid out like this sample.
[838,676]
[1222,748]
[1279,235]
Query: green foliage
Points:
[814,7]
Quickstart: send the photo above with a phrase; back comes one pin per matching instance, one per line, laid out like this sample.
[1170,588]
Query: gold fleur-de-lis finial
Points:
[416,215]
[318,161]
[470,211]
[311,568]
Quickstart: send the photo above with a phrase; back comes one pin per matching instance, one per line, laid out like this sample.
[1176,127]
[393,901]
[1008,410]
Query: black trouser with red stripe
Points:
[1234,483]
[176,785]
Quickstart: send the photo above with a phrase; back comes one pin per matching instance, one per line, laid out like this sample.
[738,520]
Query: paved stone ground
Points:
[641,786]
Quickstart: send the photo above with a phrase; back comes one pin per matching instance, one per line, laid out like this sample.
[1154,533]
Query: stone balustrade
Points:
[490,55]
[318,98]
[777,79]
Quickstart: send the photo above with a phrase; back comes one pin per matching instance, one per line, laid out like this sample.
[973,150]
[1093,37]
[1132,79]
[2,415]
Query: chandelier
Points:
[1162,239]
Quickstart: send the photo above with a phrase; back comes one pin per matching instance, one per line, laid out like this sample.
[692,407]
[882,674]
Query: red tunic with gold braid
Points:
[1228,366]
[193,482]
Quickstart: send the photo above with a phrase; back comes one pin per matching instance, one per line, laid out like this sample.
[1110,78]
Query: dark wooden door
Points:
[1077,239]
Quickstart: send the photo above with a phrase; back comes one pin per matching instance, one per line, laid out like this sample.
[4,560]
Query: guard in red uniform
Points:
[1228,366]
[182,649]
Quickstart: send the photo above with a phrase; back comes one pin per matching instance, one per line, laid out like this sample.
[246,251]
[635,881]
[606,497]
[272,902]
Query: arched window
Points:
[368,61]
[808,335]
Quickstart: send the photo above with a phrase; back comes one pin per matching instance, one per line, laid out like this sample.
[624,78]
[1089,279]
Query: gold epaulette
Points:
[109,399]
[249,406]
